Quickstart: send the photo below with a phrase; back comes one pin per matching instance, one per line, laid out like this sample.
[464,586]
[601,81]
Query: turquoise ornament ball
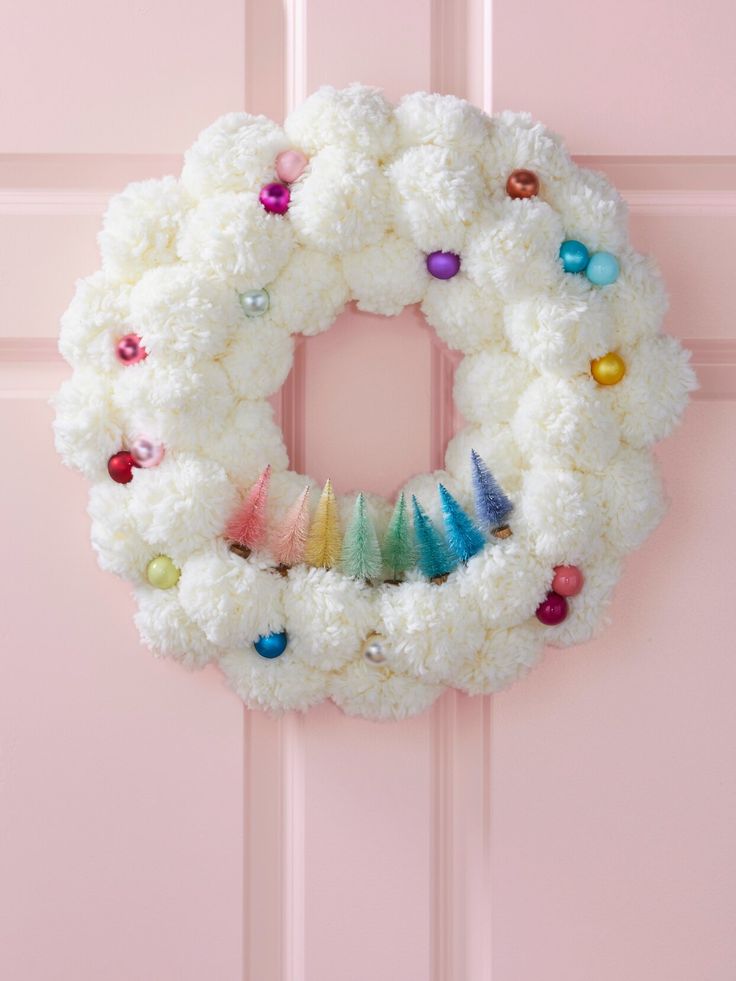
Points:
[602,269]
[271,645]
[574,256]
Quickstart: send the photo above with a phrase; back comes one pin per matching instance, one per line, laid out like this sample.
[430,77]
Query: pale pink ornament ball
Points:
[290,165]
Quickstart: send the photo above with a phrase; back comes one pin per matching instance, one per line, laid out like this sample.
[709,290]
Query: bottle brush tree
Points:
[361,553]
[463,536]
[435,558]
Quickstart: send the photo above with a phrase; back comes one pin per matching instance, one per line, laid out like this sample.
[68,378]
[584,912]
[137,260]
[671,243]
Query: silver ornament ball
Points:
[255,302]
[373,651]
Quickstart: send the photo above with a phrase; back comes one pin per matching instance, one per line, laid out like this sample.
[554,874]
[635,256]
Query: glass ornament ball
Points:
[552,610]
[255,302]
[290,165]
[130,350]
[162,573]
[271,645]
[373,650]
[443,265]
[275,198]
[602,269]
[608,370]
[146,452]
[568,580]
[120,467]
[522,184]
[574,256]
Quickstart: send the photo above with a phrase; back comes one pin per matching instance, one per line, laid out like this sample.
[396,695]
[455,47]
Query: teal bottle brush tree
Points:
[463,535]
[435,559]
[399,551]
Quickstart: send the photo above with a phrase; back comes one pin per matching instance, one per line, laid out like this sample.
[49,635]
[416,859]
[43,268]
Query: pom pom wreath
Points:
[178,342]
[399,551]
[290,539]
[435,559]
[491,504]
[462,535]
[247,527]
[361,553]
[324,540]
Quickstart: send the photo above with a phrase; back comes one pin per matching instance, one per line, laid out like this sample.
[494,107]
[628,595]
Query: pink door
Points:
[576,828]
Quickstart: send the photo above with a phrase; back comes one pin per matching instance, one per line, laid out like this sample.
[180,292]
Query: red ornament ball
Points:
[130,350]
[522,184]
[552,610]
[120,467]
[568,580]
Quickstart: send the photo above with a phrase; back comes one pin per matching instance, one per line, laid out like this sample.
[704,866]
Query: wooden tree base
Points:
[503,532]
[283,570]
[438,580]
[242,550]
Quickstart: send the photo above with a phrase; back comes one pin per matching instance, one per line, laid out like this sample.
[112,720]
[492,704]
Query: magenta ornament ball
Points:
[443,265]
[568,580]
[146,452]
[130,350]
[552,610]
[275,198]
[290,166]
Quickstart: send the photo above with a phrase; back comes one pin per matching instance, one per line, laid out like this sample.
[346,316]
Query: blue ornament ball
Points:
[574,256]
[271,645]
[602,269]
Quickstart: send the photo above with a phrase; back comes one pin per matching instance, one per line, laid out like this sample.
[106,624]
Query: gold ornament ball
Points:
[162,573]
[608,370]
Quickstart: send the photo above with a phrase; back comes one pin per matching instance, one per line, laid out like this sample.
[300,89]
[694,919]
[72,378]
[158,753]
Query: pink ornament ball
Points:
[120,467]
[568,580]
[275,198]
[290,166]
[146,452]
[552,610]
[130,350]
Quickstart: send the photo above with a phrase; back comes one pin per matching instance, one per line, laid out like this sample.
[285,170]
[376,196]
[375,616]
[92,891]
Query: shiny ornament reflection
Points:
[255,302]
[522,184]
[608,370]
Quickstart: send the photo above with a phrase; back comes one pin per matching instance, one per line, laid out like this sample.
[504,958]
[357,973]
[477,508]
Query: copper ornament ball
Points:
[522,184]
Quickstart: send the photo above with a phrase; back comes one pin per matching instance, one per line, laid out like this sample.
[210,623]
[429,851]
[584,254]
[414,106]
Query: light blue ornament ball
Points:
[574,256]
[271,645]
[602,269]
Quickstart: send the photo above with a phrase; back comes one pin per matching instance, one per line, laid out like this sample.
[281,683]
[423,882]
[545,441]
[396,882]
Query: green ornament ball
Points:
[162,573]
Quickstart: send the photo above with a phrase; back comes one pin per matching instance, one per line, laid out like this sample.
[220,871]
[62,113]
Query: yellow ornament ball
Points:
[608,370]
[162,573]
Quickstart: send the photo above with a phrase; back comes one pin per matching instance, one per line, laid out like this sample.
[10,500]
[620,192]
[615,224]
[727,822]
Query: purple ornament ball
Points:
[275,198]
[552,610]
[443,265]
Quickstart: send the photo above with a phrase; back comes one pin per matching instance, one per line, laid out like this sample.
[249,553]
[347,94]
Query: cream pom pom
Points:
[593,212]
[505,656]
[515,251]
[377,692]
[437,193]
[178,506]
[495,443]
[115,538]
[96,319]
[385,278]
[258,359]
[630,497]
[566,421]
[638,299]
[233,237]
[341,204]
[309,293]
[167,631]
[562,330]
[246,441]
[563,523]
[424,487]
[141,225]
[87,427]
[586,613]
[231,599]
[328,616]
[280,685]
[655,363]
[465,317]
[357,117]
[179,314]
[236,153]
[488,385]
[425,634]
[443,120]
[516,142]
[506,581]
